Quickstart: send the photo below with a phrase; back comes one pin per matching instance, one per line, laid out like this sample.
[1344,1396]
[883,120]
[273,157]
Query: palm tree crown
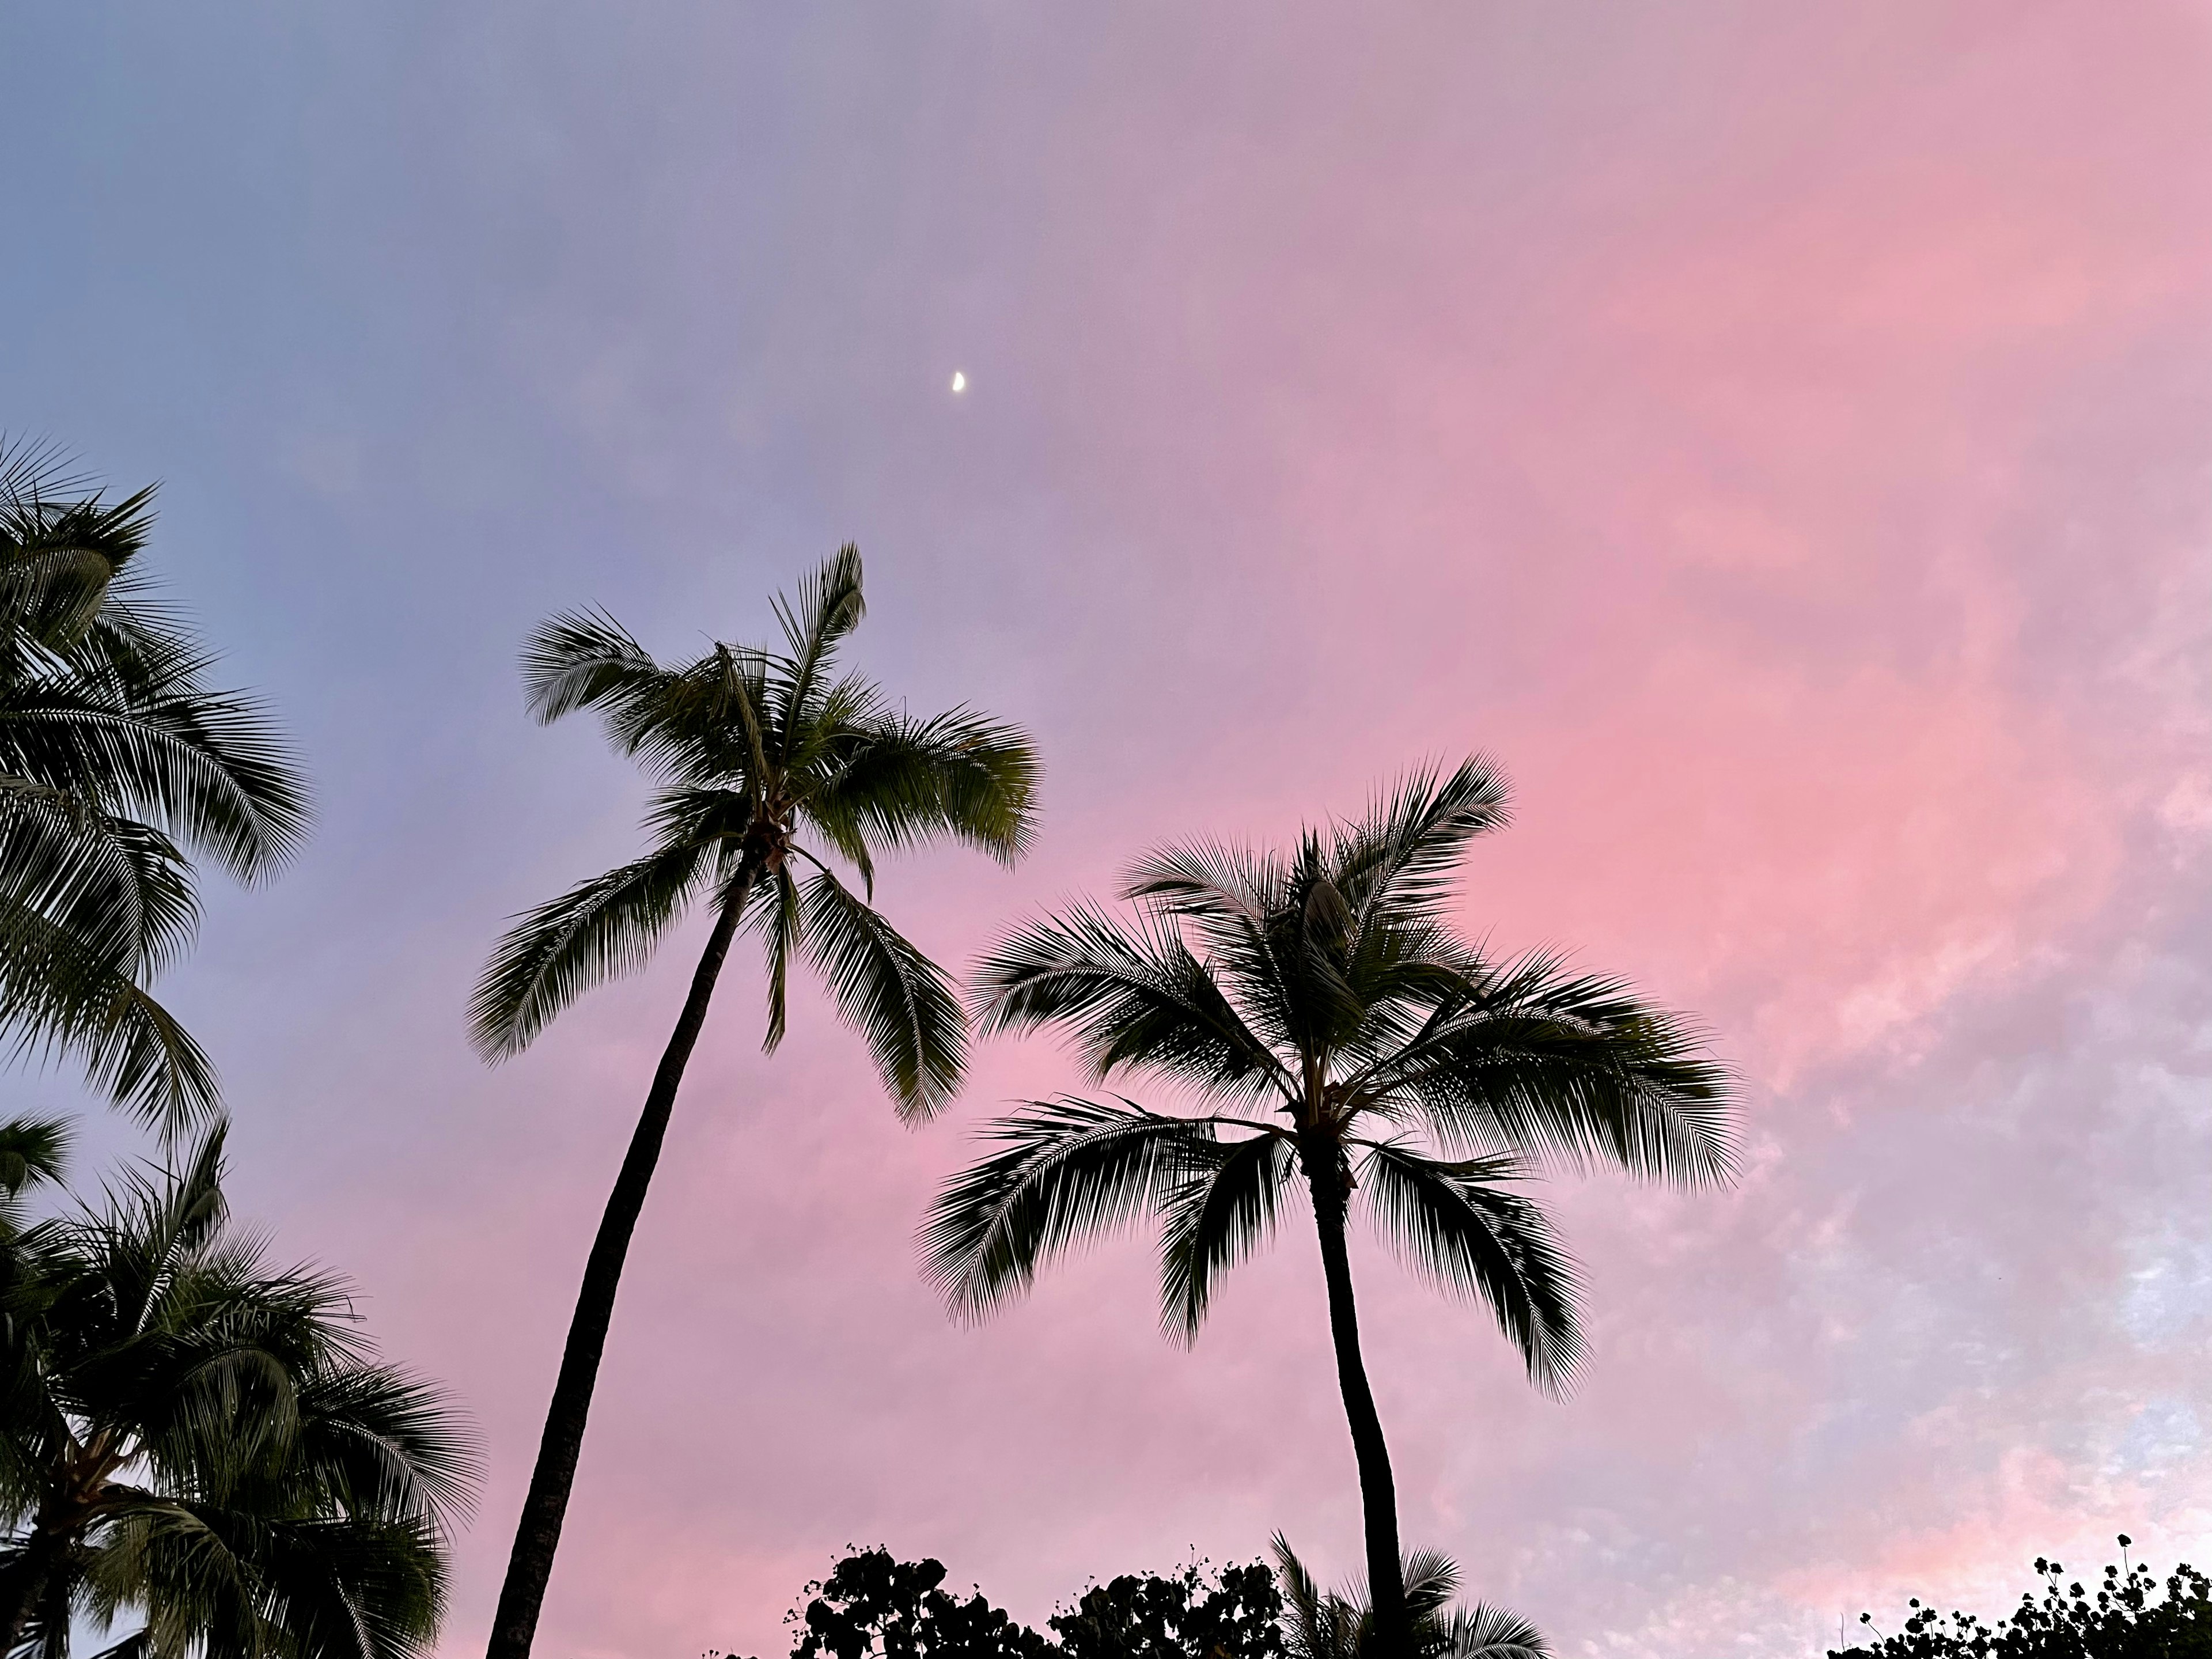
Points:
[206,1442]
[1322,1005]
[118,763]
[771,763]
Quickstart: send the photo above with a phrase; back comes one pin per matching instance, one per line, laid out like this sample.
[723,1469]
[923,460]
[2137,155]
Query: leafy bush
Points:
[2124,1617]
[873,1606]
[1237,1616]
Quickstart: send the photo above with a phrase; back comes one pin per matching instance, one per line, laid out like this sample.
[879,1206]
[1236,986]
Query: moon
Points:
[959,381]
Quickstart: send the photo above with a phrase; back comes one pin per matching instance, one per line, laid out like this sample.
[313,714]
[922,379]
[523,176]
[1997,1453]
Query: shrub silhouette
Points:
[2128,1615]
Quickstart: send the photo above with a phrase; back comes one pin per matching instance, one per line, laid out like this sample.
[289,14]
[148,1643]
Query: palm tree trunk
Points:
[1378,1493]
[538,1536]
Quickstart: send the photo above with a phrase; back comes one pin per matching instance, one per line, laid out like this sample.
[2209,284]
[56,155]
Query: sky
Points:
[1780,434]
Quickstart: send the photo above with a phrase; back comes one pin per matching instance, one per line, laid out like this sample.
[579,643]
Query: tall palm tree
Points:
[205,1442]
[771,765]
[1321,1624]
[119,764]
[1350,1041]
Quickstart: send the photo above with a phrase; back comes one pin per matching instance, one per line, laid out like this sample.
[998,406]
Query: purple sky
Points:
[1780,434]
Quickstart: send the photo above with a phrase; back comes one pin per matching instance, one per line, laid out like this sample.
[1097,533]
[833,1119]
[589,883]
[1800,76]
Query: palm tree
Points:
[771,765]
[1328,991]
[118,763]
[205,1442]
[1323,1625]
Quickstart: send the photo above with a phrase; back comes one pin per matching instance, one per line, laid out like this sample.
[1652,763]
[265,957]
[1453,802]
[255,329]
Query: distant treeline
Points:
[873,1606]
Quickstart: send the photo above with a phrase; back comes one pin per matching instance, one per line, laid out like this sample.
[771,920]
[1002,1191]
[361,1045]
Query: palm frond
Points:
[35,469]
[1398,859]
[829,606]
[598,930]
[903,1003]
[187,1211]
[735,685]
[233,1409]
[898,782]
[1232,898]
[1453,1223]
[119,890]
[1319,1625]
[1129,997]
[1486,1633]
[207,767]
[1575,1069]
[1215,882]
[1323,1625]
[780,920]
[378,1441]
[584,660]
[1071,1169]
[1225,1207]
[1430,1579]
[129,1046]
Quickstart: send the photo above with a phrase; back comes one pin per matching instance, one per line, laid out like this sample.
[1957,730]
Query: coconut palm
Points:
[1349,1041]
[118,765]
[1324,1624]
[772,767]
[201,1441]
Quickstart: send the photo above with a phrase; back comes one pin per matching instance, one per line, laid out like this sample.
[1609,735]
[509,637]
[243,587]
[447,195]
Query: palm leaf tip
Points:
[1398,858]
[831,603]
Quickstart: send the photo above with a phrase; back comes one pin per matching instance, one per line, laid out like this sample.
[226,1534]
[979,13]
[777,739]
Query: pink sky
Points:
[1781,434]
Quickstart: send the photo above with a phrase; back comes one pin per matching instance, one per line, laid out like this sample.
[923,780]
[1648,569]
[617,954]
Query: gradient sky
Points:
[1780,434]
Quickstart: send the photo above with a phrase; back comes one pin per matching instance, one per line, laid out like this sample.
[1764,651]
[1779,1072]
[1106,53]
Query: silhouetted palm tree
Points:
[1328,990]
[193,1437]
[117,765]
[771,765]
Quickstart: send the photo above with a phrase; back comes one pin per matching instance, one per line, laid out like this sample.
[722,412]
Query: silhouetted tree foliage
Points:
[2130,1615]
[870,1604]
[1236,1615]
[873,1606]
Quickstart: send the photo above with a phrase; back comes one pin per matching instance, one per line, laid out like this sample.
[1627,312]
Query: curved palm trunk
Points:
[1378,1493]
[538,1536]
